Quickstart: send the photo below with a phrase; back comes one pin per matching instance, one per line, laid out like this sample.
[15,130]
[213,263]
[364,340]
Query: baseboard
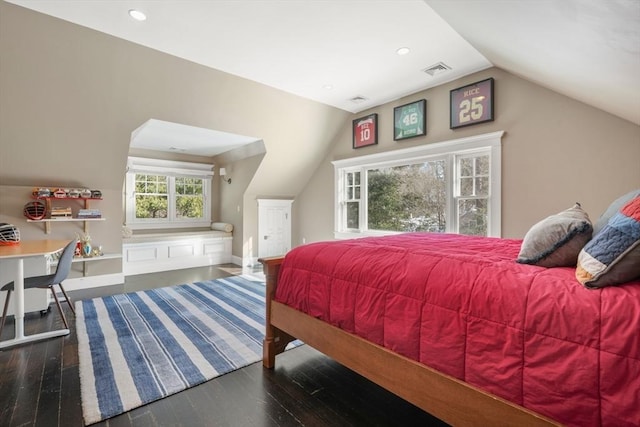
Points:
[93,281]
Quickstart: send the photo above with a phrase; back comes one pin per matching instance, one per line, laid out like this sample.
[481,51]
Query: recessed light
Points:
[403,51]
[137,15]
[327,87]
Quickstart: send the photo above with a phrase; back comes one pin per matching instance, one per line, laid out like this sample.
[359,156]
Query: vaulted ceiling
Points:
[343,53]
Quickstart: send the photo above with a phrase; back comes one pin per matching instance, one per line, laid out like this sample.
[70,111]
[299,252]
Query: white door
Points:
[274,227]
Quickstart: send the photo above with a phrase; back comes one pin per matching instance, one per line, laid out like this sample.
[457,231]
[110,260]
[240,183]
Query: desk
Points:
[28,248]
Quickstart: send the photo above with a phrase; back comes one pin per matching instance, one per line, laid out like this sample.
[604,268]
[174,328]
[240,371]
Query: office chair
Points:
[47,281]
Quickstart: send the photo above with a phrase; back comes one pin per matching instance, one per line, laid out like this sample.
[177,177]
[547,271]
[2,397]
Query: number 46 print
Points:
[410,120]
[472,104]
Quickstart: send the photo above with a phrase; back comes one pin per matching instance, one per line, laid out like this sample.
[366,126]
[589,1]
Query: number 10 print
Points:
[472,104]
[365,131]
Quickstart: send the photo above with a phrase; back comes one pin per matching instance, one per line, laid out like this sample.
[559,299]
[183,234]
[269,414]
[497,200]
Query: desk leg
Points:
[18,290]
[20,337]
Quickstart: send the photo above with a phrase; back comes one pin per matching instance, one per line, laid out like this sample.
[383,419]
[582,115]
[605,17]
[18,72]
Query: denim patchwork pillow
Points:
[613,256]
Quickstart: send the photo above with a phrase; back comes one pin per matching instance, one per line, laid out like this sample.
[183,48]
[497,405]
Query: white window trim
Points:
[491,141]
[173,169]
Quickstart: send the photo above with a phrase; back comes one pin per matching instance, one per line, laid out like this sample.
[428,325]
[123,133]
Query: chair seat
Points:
[32,282]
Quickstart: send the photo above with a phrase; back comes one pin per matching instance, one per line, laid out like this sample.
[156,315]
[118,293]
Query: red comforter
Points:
[463,306]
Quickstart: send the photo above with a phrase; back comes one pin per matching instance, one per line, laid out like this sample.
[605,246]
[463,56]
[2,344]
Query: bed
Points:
[455,326]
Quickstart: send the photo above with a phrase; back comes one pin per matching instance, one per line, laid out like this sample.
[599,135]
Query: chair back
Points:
[64,263]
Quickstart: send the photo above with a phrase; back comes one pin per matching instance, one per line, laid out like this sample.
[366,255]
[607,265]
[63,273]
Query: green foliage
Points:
[152,200]
[189,207]
[407,198]
[385,201]
[151,206]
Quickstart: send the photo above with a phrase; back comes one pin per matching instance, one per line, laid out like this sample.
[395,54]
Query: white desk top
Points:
[32,248]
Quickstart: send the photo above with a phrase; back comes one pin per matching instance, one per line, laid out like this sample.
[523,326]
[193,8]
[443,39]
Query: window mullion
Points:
[364,205]
[172,198]
[452,191]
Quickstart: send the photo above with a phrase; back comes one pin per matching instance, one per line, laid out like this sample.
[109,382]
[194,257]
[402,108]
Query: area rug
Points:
[140,347]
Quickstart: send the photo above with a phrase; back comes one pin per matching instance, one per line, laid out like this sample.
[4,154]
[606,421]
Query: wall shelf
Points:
[84,260]
[97,258]
[47,221]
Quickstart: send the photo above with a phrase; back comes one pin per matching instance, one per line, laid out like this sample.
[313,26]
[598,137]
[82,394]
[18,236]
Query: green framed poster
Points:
[410,120]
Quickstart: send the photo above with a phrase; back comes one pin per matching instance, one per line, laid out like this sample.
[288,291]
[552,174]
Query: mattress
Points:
[462,305]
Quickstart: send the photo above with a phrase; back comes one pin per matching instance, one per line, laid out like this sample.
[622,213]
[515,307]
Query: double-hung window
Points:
[167,194]
[452,186]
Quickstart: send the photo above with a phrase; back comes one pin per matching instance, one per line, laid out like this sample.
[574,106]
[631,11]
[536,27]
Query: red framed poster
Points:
[365,131]
[472,104]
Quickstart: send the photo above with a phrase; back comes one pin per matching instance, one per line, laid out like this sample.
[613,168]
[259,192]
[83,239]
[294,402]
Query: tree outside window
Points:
[151,196]
[189,198]
[408,197]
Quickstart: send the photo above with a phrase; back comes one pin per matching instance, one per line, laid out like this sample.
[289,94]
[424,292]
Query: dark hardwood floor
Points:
[40,384]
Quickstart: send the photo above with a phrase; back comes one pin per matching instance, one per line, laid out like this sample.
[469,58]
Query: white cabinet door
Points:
[274,227]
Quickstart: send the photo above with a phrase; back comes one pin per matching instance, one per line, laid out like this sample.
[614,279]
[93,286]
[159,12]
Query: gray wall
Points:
[70,98]
[556,151]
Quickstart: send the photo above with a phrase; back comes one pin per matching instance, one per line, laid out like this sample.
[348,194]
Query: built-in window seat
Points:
[148,253]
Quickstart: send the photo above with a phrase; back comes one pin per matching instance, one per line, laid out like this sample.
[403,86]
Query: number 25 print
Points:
[472,104]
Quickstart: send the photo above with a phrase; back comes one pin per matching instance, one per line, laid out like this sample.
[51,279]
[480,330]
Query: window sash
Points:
[178,180]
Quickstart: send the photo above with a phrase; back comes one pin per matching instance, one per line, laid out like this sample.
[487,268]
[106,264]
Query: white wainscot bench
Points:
[149,253]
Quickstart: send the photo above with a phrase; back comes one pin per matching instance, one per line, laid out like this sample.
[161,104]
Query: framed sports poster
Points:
[410,120]
[365,131]
[472,104]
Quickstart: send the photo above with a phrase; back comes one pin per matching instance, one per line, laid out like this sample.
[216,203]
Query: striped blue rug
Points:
[139,347]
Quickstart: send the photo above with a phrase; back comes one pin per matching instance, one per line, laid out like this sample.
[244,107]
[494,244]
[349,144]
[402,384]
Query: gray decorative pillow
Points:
[613,209]
[557,240]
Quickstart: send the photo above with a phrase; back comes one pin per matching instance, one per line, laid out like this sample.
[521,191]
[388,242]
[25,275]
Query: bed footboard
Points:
[275,340]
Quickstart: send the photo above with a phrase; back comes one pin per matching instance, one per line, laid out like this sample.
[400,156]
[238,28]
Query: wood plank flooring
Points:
[40,384]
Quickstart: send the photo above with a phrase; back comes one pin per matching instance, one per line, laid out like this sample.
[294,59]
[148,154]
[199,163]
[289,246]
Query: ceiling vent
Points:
[438,68]
[358,99]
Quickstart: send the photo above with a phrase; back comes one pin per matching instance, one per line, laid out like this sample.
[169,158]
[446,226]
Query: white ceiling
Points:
[585,49]
[178,138]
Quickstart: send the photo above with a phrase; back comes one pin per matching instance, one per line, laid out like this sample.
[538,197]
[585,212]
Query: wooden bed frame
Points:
[447,398]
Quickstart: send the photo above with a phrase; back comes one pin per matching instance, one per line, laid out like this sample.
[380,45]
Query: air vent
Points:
[438,68]
[358,99]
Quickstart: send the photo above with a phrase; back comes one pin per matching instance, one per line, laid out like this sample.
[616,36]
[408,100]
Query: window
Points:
[352,200]
[472,193]
[452,186]
[166,194]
